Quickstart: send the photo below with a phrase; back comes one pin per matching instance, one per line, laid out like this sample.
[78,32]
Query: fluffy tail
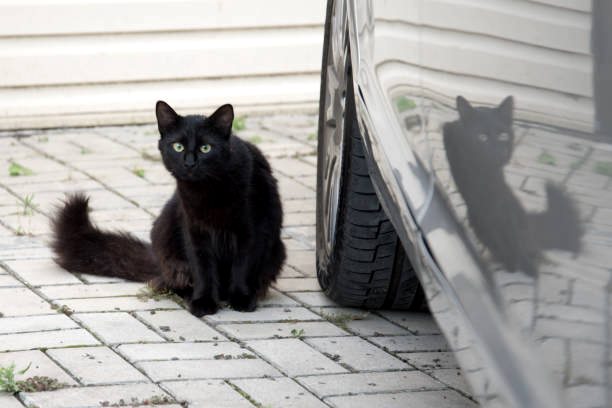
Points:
[559,226]
[82,248]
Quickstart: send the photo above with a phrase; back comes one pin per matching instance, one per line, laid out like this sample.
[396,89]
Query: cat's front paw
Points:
[243,302]
[202,306]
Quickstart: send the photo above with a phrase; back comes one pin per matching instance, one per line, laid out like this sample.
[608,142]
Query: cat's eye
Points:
[178,147]
[205,148]
[482,137]
[503,137]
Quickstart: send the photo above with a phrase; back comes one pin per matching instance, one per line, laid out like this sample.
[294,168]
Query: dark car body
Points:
[487,129]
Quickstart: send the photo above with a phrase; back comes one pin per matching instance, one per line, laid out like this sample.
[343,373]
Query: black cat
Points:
[217,238]
[478,146]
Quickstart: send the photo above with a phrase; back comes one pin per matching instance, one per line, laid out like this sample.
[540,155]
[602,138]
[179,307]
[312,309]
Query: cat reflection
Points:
[478,146]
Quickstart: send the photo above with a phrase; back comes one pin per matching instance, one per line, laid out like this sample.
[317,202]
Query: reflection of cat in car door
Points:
[478,146]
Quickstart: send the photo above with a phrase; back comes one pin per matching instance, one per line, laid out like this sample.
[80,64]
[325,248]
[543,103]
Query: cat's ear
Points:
[506,109]
[463,107]
[166,116]
[222,119]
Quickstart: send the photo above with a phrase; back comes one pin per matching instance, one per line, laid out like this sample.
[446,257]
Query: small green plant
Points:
[239,123]
[7,378]
[15,170]
[547,158]
[340,319]
[312,137]
[139,171]
[28,205]
[85,150]
[299,333]
[403,104]
[255,139]
[603,168]
[43,139]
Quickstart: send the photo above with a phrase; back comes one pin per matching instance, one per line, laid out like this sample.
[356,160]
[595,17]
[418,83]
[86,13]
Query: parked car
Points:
[465,157]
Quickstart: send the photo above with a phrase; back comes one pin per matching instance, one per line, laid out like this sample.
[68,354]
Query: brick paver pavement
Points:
[113,342]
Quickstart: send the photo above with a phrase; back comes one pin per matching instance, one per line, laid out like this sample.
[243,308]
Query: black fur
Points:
[478,146]
[216,239]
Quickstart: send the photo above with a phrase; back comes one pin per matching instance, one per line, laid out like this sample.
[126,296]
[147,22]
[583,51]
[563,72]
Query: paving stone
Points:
[295,357]
[92,291]
[92,396]
[417,323]
[115,328]
[9,401]
[299,206]
[411,343]
[438,399]
[453,378]
[357,353]
[179,325]
[207,369]
[289,272]
[249,331]
[372,325]
[303,261]
[299,218]
[87,278]
[22,302]
[39,365]
[293,167]
[117,303]
[291,189]
[276,298]
[354,383]
[60,338]
[7,281]
[206,394]
[12,325]
[264,314]
[96,365]
[298,284]
[180,351]
[431,360]
[278,392]
[42,272]
[315,299]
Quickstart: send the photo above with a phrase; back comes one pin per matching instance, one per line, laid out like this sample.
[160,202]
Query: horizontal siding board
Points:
[147,57]
[520,21]
[51,106]
[531,104]
[63,17]
[486,57]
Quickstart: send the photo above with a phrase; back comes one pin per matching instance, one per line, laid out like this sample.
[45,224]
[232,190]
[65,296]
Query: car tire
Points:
[360,260]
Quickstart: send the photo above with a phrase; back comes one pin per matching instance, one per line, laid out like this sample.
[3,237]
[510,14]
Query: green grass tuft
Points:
[256,139]
[403,104]
[15,170]
[603,168]
[7,378]
[139,172]
[239,124]
[547,158]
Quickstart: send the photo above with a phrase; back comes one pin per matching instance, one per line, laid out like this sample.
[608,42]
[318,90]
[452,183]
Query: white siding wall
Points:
[86,62]
[538,51]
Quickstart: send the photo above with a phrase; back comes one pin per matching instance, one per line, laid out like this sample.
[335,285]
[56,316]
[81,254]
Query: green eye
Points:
[178,147]
[205,148]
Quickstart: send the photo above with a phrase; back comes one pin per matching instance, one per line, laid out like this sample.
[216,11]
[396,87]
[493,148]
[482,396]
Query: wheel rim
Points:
[333,128]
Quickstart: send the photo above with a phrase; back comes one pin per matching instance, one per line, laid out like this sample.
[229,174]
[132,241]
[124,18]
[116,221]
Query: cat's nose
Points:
[189,161]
